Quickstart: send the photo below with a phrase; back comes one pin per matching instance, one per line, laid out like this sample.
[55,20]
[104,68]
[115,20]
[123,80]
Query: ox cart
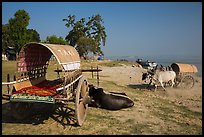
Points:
[184,74]
[31,85]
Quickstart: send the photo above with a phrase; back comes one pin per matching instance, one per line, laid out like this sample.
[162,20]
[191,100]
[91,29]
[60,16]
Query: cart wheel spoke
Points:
[84,89]
[82,109]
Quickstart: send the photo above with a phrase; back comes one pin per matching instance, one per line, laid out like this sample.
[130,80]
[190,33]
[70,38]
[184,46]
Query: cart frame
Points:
[32,64]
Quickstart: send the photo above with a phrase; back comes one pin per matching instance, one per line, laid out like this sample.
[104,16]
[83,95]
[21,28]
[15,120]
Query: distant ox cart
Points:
[184,74]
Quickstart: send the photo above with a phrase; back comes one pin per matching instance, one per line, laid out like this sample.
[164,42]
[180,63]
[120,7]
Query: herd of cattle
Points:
[116,101]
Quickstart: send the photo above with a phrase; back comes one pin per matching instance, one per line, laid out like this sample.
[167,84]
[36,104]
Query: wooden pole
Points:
[14,78]
[97,76]
[8,80]
[92,71]
[58,74]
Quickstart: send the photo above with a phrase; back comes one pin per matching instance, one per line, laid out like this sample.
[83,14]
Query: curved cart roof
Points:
[178,67]
[35,55]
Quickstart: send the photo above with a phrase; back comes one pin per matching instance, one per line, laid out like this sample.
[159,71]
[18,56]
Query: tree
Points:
[55,40]
[17,26]
[6,40]
[86,45]
[88,36]
[32,36]
[15,33]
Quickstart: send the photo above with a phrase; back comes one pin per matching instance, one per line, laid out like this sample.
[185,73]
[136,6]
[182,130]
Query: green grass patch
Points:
[8,67]
[188,113]
[179,115]
[168,107]
[139,128]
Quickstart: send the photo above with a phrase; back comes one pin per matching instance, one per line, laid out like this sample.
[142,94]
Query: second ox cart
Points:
[185,74]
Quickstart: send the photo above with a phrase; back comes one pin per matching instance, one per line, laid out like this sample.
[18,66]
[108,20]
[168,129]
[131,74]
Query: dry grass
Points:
[153,112]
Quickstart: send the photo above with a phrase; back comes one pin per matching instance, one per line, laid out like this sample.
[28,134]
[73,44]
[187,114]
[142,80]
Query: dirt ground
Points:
[174,111]
[132,76]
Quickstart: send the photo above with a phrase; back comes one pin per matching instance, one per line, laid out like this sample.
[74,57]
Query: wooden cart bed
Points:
[41,92]
[45,88]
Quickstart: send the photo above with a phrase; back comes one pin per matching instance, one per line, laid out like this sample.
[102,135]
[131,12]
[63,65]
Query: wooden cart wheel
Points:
[187,82]
[81,101]
[20,110]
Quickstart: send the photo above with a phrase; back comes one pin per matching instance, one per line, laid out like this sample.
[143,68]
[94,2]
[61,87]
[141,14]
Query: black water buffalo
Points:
[109,100]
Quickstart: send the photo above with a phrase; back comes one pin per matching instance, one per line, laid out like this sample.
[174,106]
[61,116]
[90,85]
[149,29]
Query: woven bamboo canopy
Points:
[178,67]
[37,55]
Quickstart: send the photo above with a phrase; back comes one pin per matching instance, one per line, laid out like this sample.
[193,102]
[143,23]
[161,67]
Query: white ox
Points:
[160,77]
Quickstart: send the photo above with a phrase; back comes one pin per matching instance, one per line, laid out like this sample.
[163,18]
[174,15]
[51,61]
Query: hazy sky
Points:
[133,28]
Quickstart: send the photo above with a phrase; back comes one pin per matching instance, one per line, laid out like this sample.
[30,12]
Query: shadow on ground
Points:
[141,86]
[39,112]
